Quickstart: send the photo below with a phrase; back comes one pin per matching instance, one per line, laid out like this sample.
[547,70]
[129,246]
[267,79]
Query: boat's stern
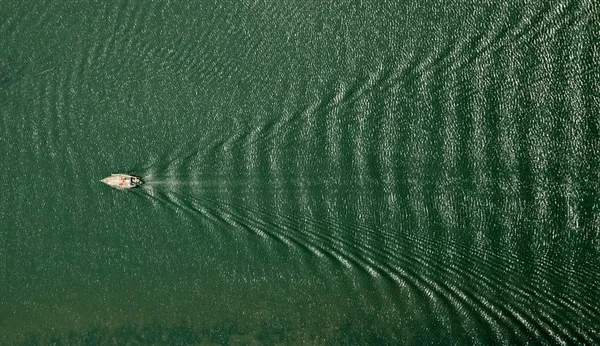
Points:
[135,181]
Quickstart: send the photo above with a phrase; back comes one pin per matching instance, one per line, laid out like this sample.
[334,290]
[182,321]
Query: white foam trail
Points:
[172,182]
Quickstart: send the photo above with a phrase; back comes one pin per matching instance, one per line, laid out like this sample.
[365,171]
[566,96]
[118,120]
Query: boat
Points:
[122,181]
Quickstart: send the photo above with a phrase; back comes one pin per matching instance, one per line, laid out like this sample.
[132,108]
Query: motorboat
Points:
[122,181]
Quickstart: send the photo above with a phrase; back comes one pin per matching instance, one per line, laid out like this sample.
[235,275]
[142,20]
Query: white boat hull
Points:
[122,181]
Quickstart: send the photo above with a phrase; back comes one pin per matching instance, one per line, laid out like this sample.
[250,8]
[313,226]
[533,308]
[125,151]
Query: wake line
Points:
[315,242]
[403,271]
[172,182]
[203,183]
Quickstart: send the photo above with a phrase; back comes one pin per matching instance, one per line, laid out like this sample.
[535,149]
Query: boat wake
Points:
[173,182]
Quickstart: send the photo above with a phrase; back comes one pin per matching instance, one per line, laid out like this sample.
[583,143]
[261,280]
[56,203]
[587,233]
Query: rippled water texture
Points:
[318,172]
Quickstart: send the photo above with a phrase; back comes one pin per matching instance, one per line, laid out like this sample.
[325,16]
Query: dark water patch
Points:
[351,332]
[154,333]
[9,72]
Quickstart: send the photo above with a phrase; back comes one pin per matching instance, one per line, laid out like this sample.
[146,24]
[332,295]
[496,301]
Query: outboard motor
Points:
[135,181]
